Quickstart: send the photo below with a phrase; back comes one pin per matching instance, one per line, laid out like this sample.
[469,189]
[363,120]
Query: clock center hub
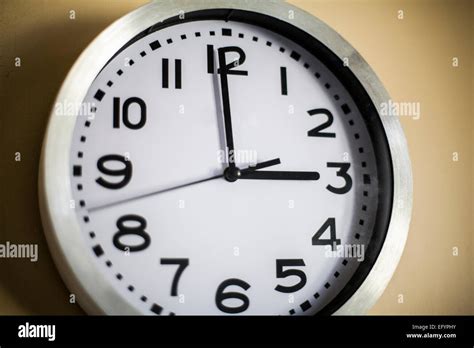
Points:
[232,174]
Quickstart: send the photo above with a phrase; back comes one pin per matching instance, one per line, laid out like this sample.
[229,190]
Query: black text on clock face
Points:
[258,245]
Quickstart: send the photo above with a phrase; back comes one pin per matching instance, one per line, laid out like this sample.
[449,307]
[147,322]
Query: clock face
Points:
[223,168]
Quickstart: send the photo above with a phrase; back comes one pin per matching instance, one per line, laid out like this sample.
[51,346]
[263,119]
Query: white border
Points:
[92,290]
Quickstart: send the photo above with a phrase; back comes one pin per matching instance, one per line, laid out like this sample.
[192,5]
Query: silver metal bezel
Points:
[94,293]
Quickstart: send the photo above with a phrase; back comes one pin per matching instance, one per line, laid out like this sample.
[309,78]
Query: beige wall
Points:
[411,56]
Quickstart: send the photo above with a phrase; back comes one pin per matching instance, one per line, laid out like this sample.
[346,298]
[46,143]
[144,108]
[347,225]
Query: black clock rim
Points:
[363,102]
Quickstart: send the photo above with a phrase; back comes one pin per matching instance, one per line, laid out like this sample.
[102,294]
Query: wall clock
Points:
[225,159]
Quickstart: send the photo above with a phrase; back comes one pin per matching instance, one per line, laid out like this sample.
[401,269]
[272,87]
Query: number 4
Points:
[332,240]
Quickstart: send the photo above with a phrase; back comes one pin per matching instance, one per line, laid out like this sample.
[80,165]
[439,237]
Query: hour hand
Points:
[278,175]
[261,165]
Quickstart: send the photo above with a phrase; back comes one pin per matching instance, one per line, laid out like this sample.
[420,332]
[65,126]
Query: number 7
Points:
[182,264]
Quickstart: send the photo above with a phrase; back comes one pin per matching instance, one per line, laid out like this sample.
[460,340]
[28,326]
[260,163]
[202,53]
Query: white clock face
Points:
[172,233]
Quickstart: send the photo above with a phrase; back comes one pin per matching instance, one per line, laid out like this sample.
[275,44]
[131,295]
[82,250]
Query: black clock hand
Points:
[229,137]
[269,175]
[146,195]
[246,171]
[262,165]
[252,173]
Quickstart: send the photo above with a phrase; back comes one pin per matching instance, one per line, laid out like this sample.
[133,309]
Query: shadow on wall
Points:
[27,95]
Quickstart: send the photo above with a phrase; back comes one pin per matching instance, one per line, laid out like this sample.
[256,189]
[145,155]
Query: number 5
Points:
[280,264]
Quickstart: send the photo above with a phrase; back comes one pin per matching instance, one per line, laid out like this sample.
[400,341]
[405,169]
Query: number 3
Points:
[343,173]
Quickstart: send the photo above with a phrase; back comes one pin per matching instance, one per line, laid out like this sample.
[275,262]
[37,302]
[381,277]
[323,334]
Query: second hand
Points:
[250,169]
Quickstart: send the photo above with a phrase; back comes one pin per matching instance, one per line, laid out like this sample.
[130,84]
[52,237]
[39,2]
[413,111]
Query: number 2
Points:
[317,132]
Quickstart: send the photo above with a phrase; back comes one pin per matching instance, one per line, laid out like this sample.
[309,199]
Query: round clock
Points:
[224,157]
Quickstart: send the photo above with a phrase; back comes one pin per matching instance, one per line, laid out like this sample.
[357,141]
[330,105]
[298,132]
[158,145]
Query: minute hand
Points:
[269,175]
